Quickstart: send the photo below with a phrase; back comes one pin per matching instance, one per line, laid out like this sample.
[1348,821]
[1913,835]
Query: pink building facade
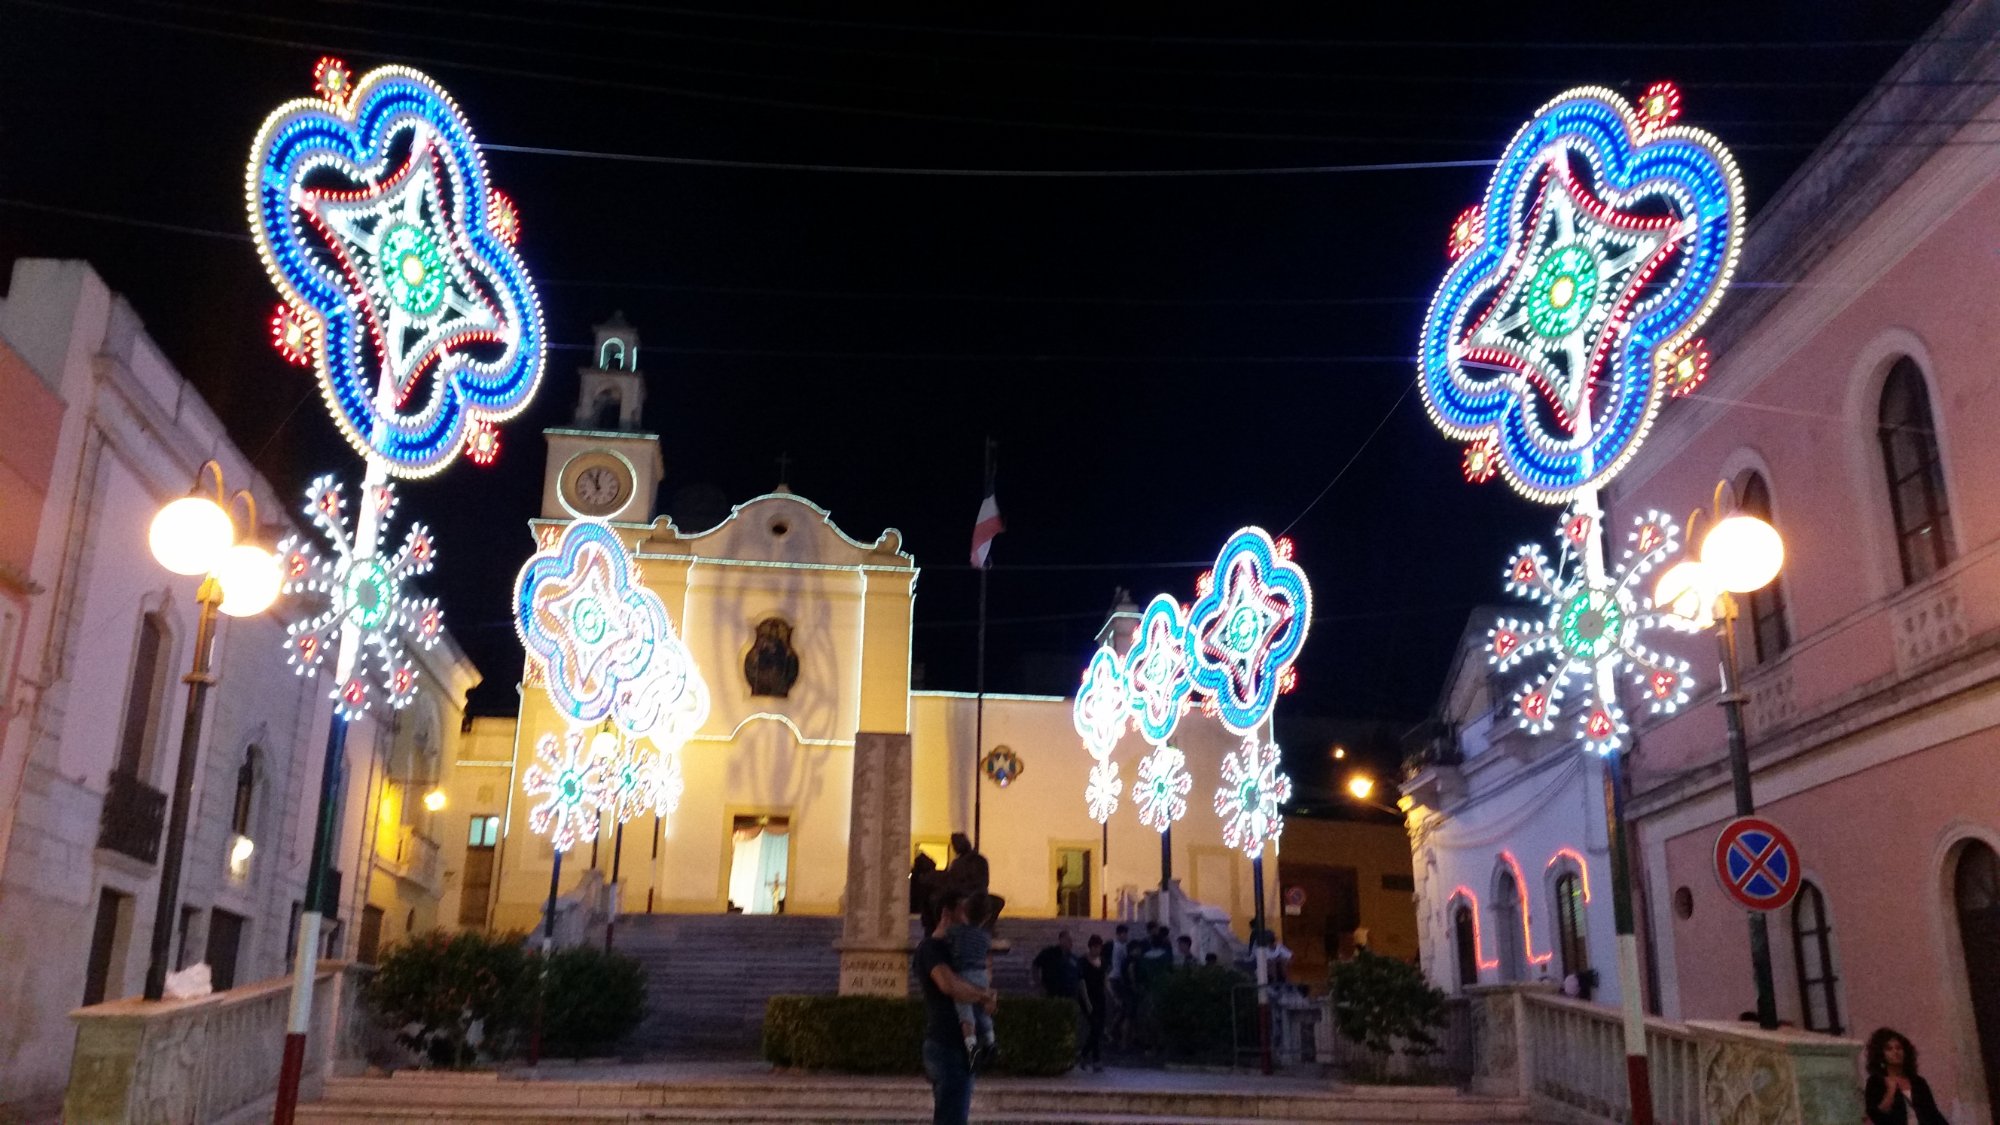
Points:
[1856,386]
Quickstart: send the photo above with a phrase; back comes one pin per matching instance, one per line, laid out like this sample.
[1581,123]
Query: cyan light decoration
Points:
[1103,711]
[1244,633]
[1591,630]
[574,781]
[370,207]
[1254,790]
[602,642]
[1606,239]
[1156,669]
[1162,788]
[366,594]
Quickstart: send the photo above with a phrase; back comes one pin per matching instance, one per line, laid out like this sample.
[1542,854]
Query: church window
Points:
[611,356]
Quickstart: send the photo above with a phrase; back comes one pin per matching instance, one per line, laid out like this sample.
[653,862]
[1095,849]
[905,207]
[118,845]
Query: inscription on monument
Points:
[874,940]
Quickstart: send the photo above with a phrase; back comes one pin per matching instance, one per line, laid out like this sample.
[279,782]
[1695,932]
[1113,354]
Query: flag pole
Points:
[979,678]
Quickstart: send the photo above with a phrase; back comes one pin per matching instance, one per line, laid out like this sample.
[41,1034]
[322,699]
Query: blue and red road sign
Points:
[1757,864]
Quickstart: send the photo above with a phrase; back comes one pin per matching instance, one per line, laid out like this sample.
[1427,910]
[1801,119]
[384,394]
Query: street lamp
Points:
[195,535]
[1361,785]
[1741,554]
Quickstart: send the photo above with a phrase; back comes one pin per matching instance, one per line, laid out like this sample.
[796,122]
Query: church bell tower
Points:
[604,465]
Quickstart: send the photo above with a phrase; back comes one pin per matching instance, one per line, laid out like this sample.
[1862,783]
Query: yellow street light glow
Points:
[1339,752]
[434,800]
[1744,553]
[1361,785]
[240,849]
[1688,589]
[190,535]
[250,580]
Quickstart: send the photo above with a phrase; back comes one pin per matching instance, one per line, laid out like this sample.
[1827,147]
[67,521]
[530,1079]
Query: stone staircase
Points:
[708,975]
[1114,1098]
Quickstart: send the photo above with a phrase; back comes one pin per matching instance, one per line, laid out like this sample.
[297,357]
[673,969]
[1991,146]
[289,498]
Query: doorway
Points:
[1508,930]
[476,887]
[370,943]
[1072,878]
[1976,884]
[108,940]
[760,864]
[225,938]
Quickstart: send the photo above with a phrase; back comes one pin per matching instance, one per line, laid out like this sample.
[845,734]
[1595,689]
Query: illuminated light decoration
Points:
[294,336]
[1478,931]
[664,780]
[365,593]
[1288,681]
[1253,790]
[1527,936]
[602,641]
[1577,857]
[1246,630]
[1162,788]
[483,445]
[1659,106]
[1001,766]
[1102,711]
[573,783]
[1466,231]
[1101,794]
[1156,671]
[1481,462]
[1608,238]
[1592,631]
[1687,369]
[370,207]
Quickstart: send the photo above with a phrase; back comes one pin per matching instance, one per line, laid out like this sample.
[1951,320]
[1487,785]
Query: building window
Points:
[1812,950]
[1465,942]
[246,793]
[485,832]
[1570,931]
[1768,631]
[1916,474]
[142,698]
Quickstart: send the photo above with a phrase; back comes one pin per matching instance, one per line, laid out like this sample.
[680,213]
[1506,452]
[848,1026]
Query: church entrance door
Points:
[1073,898]
[760,864]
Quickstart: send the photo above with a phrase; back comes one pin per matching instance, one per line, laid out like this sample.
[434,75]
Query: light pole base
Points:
[289,1074]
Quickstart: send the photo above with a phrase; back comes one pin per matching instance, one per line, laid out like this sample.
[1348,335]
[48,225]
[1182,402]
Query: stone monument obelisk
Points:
[874,940]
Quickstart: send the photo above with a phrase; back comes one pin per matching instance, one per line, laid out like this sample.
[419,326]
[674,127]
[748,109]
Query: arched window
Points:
[142,698]
[1916,474]
[1570,932]
[1768,630]
[1507,927]
[606,410]
[611,357]
[1465,942]
[1976,885]
[246,792]
[1812,952]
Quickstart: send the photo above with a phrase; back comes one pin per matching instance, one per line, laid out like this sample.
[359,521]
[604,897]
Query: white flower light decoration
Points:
[1162,788]
[574,782]
[1101,795]
[1253,789]
[1592,630]
[367,603]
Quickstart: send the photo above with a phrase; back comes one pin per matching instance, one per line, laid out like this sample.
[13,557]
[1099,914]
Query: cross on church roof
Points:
[784,468]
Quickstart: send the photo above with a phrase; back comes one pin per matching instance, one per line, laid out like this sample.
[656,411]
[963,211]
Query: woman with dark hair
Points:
[1895,1095]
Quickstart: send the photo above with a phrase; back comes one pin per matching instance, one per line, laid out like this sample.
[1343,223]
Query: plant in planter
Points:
[434,987]
[1387,1006]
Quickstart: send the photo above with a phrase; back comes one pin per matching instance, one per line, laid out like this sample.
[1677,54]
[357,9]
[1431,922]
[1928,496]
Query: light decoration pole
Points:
[194,535]
[1159,686]
[1101,715]
[393,258]
[1741,554]
[1570,314]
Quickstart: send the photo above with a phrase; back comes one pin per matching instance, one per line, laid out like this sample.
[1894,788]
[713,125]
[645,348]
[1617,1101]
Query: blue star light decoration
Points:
[1246,630]
[1606,239]
[370,207]
[1591,632]
[1162,788]
[574,781]
[1254,789]
[1156,669]
[1102,712]
[365,596]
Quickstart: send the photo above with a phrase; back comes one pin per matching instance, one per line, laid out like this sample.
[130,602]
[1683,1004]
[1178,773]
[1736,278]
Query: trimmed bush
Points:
[594,999]
[884,1035]
[431,987]
[1191,1010]
[1387,1006]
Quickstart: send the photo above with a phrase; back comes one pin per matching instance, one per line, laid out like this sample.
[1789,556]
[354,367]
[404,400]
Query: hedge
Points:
[884,1035]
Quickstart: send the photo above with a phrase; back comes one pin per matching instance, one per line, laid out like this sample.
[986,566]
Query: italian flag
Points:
[984,529]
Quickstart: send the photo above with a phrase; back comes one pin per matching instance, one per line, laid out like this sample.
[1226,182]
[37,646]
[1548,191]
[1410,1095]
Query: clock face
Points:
[597,490]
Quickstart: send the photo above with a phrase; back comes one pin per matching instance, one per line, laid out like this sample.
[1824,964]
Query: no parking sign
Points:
[1757,864]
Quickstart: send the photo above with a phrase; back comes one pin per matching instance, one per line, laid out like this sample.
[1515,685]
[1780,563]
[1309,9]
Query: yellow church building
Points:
[802,633]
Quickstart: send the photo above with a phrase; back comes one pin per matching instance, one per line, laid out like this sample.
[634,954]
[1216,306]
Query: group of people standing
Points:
[1114,983]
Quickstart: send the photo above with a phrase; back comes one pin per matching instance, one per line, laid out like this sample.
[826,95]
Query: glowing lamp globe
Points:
[604,745]
[190,535]
[434,800]
[1688,589]
[1361,786]
[250,580]
[1744,553]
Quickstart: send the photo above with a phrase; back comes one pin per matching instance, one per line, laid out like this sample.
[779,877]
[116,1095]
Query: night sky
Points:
[1160,358]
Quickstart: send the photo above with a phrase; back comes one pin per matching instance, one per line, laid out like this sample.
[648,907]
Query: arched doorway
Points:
[1976,885]
[1465,942]
[1507,927]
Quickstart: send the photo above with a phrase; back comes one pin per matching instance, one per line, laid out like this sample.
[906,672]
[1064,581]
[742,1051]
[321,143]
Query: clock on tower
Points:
[604,465]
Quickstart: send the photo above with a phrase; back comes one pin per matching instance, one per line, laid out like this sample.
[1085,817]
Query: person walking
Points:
[1185,945]
[1121,985]
[1094,968]
[945,1061]
[1895,1095]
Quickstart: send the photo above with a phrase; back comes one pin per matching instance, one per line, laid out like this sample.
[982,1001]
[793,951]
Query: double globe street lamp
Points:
[195,535]
[1741,554]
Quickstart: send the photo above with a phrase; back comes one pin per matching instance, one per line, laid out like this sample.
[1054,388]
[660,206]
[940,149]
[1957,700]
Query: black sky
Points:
[1161,359]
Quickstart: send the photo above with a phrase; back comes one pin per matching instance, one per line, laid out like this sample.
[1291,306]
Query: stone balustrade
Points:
[213,1059]
[1568,1058]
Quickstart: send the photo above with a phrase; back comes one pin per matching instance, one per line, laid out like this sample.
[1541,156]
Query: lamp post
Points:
[1740,555]
[194,535]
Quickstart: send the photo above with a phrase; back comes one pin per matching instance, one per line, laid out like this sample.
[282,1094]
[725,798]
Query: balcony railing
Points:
[417,859]
[133,815]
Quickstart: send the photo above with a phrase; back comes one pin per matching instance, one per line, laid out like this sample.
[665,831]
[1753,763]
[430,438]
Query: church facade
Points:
[802,633]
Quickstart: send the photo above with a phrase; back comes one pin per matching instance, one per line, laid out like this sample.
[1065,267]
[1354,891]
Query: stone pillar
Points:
[1750,1076]
[874,940]
[1500,1063]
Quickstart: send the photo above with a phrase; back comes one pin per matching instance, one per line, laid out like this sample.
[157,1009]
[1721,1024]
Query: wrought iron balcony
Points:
[133,815]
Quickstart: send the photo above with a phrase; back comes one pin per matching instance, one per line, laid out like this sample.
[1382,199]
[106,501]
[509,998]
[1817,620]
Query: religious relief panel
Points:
[771,667]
